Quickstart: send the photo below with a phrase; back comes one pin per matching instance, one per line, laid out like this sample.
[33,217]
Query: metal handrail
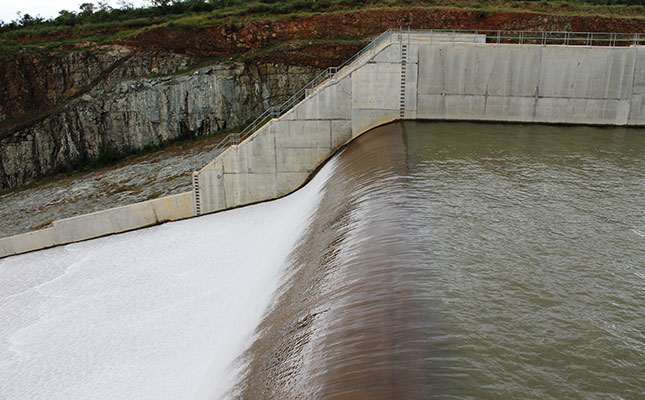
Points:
[544,38]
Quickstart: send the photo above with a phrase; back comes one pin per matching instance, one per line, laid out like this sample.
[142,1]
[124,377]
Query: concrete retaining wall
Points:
[532,83]
[444,77]
[88,226]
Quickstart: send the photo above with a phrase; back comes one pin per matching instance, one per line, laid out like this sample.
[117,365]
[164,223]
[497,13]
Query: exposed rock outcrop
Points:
[31,83]
[133,114]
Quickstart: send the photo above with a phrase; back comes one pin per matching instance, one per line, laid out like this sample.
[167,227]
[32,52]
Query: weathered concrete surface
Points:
[530,83]
[89,226]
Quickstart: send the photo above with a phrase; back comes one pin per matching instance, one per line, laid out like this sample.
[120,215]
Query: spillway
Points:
[159,313]
[424,260]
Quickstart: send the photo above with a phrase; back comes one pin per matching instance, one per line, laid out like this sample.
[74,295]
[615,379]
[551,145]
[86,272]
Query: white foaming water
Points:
[159,313]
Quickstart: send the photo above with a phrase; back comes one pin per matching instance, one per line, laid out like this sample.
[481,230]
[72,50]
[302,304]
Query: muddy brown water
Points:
[462,260]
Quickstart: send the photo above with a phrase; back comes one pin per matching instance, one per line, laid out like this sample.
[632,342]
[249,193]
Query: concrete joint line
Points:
[629,110]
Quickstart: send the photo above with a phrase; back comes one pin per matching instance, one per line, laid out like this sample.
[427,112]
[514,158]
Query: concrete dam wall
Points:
[415,75]
[427,76]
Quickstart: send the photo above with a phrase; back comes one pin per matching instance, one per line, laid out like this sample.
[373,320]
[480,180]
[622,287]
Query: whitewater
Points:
[158,313]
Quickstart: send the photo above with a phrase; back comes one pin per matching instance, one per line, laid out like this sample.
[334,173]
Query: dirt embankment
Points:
[227,39]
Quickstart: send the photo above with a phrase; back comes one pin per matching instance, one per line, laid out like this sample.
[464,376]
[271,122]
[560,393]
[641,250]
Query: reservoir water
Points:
[424,260]
[462,260]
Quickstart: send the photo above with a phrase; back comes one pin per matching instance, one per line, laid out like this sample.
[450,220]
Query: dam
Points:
[424,259]
[562,78]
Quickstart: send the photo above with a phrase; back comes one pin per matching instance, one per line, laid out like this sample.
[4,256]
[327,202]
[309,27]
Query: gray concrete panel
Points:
[341,133]
[431,106]
[431,69]
[376,86]
[639,70]
[242,189]
[287,182]
[301,159]
[637,110]
[515,70]
[174,208]
[582,72]
[212,190]
[335,100]
[6,247]
[364,120]
[303,134]
[35,240]
[260,151]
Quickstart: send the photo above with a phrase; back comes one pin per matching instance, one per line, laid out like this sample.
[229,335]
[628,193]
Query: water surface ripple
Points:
[462,260]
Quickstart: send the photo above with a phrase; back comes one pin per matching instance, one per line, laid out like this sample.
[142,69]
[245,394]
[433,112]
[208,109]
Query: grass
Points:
[42,37]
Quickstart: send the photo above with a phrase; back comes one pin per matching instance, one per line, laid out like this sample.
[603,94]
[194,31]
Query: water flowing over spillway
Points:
[159,313]
[425,260]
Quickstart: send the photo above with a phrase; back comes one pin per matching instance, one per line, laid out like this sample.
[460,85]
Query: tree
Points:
[87,9]
[27,20]
[125,4]
[104,6]
[158,3]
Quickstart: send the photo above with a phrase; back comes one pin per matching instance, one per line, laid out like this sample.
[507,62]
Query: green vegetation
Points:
[101,22]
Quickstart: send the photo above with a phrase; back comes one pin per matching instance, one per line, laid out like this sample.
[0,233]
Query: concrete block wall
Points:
[531,83]
[89,226]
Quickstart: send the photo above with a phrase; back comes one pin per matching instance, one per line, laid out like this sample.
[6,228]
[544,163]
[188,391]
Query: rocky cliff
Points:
[30,84]
[107,113]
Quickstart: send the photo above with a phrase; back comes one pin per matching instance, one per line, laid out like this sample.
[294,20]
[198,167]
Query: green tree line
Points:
[102,13]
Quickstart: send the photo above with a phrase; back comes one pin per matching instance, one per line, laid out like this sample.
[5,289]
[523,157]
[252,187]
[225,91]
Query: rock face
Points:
[31,83]
[118,116]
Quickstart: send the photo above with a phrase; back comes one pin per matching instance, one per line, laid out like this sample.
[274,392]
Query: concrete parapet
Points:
[126,218]
[101,223]
[27,242]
